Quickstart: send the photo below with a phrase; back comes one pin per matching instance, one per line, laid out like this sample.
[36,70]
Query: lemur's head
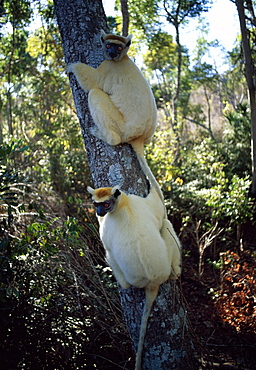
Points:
[114,46]
[104,199]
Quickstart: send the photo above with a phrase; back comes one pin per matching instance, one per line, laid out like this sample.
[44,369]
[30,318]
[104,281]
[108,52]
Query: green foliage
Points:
[209,191]
[15,62]
[238,206]
[161,50]
[113,24]
[52,299]
[237,141]
[10,182]
[17,12]
[186,8]
[161,60]
[45,46]
[143,14]
[210,188]
[213,180]
[160,156]
[37,106]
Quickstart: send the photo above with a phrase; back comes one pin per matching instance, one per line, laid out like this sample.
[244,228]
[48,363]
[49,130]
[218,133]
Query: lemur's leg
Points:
[106,116]
[173,247]
[117,271]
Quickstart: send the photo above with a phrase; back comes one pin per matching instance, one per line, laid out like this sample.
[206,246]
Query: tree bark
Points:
[249,72]
[167,344]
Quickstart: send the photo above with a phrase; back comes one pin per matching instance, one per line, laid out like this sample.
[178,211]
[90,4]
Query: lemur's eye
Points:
[108,46]
[106,204]
[120,48]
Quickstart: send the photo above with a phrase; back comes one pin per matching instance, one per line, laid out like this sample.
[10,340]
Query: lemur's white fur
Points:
[141,245]
[120,99]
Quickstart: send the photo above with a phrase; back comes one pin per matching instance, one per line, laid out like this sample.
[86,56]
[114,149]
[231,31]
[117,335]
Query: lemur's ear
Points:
[128,40]
[102,35]
[115,191]
[90,190]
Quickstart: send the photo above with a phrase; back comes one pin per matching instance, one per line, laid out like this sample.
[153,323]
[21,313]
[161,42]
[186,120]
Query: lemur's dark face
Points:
[114,51]
[102,208]
[115,47]
[106,205]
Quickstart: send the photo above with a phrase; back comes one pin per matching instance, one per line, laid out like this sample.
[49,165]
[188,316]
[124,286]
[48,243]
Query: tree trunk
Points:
[249,72]
[177,93]
[167,345]
[125,15]
[9,112]
[1,121]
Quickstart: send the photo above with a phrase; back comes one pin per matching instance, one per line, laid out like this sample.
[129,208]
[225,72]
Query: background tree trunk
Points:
[249,72]
[125,15]
[167,344]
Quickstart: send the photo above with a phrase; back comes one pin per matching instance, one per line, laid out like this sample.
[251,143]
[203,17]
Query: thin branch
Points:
[201,125]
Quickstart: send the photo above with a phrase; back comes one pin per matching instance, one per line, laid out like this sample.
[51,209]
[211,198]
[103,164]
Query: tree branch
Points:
[201,125]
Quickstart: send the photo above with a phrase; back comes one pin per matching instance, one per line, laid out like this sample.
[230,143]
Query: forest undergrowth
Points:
[59,301]
[221,306]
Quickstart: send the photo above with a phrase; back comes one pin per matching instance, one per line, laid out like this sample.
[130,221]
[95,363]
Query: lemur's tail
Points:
[138,147]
